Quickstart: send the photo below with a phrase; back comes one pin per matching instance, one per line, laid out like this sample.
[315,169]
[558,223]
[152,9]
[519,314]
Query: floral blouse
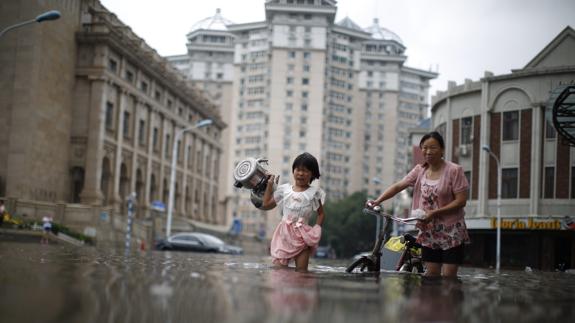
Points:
[437,235]
[298,206]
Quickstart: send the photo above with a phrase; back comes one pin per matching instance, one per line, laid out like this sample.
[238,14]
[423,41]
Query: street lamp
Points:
[179,133]
[499,179]
[48,15]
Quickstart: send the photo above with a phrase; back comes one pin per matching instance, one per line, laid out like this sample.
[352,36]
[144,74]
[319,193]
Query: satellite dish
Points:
[563,114]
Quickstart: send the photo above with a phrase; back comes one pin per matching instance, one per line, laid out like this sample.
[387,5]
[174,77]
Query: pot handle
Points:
[263,161]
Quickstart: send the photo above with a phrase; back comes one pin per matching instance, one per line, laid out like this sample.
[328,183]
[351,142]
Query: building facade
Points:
[90,113]
[511,115]
[301,82]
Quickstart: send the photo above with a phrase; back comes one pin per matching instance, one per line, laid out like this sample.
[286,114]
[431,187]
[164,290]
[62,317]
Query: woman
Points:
[439,189]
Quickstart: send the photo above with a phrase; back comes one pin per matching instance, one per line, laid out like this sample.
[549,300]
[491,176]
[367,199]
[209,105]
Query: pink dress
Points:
[293,234]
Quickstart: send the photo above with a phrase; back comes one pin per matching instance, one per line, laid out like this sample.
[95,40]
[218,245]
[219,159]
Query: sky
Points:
[458,38]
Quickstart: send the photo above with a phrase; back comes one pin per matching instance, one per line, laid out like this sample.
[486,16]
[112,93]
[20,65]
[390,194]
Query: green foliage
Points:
[346,228]
[67,231]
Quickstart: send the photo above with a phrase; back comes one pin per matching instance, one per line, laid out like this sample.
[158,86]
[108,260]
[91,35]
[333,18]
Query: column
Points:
[482,197]
[448,129]
[135,144]
[150,154]
[536,147]
[116,198]
[92,193]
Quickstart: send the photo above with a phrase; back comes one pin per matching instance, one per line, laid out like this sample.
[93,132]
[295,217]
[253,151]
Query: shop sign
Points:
[566,223]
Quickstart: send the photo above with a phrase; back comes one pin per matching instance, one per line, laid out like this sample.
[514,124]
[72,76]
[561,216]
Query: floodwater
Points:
[59,283]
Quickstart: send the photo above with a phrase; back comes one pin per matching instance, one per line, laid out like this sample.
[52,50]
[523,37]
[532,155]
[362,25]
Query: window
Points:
[126,124]
[109,115]
[291,54]
[306,55]
[466,130]
[142,132]
[509,183]
[549,183]
[167,146]
[305,81]
[155,139]
[112,65]
[130,76]
[144,87]
[511,125]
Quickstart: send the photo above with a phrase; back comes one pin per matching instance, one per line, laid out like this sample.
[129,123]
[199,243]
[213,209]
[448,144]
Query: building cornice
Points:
[531,72]
[351,32]
[247,26]
[412,70]
[106,29]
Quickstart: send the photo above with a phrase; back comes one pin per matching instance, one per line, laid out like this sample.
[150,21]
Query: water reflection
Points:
[68,284]
[291,291]
[435,298]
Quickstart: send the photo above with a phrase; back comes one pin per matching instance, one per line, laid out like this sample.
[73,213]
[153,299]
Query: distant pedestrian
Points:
[236,228]
[47,226]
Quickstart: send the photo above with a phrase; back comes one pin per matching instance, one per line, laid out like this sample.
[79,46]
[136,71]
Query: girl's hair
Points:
[435,135]
[308,161]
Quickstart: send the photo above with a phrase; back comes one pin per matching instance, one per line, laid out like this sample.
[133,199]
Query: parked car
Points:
[195,241]
[325,252]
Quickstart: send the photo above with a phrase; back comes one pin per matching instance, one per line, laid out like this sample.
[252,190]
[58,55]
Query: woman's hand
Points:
[371,204]
[424,220]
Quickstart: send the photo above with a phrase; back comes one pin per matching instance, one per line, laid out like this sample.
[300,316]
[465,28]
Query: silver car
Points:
[195,241]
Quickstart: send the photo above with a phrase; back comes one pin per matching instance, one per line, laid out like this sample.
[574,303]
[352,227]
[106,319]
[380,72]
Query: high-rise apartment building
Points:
[301,82]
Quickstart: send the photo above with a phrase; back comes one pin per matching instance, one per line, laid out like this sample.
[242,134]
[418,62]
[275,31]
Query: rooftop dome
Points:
[381,33]
[350,24]
[216,22]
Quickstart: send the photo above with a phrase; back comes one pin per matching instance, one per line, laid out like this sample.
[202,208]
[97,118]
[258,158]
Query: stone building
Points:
[510,114]
[89,114]
[298,82]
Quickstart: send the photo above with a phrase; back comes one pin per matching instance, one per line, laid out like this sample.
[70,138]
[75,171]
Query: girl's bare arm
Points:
[268,199]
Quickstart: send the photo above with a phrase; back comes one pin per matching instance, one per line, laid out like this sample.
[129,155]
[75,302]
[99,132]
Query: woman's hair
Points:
[435,135]
[308,161]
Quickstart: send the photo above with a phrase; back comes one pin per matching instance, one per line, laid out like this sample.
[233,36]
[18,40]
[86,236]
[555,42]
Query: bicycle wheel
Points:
[363,263]
[415,267]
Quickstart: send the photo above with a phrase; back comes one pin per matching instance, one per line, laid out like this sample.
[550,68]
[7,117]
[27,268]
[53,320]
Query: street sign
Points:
[159,206]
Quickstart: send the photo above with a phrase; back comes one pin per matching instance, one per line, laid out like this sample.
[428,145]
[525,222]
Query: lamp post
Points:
[48,15]
[499,179]
[179,133]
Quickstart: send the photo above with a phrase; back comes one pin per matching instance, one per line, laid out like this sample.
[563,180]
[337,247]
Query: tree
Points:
[346,228]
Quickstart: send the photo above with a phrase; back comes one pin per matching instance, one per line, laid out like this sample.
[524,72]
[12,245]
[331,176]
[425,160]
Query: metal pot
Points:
[250,173]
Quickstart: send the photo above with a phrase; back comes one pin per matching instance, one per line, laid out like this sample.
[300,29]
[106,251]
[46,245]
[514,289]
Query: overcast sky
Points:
[460,38]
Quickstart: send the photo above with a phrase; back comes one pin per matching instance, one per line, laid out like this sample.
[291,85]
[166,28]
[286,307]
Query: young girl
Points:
[294,238]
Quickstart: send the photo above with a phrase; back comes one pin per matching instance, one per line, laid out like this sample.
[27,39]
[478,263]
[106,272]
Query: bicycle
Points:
[409,261]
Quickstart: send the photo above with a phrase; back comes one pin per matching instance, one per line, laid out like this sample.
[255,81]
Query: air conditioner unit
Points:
[463,151]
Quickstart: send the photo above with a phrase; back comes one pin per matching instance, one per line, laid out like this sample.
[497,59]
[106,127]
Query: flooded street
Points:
[59,283]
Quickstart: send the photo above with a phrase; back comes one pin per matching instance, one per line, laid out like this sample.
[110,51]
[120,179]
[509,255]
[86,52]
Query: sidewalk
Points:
[32,236]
